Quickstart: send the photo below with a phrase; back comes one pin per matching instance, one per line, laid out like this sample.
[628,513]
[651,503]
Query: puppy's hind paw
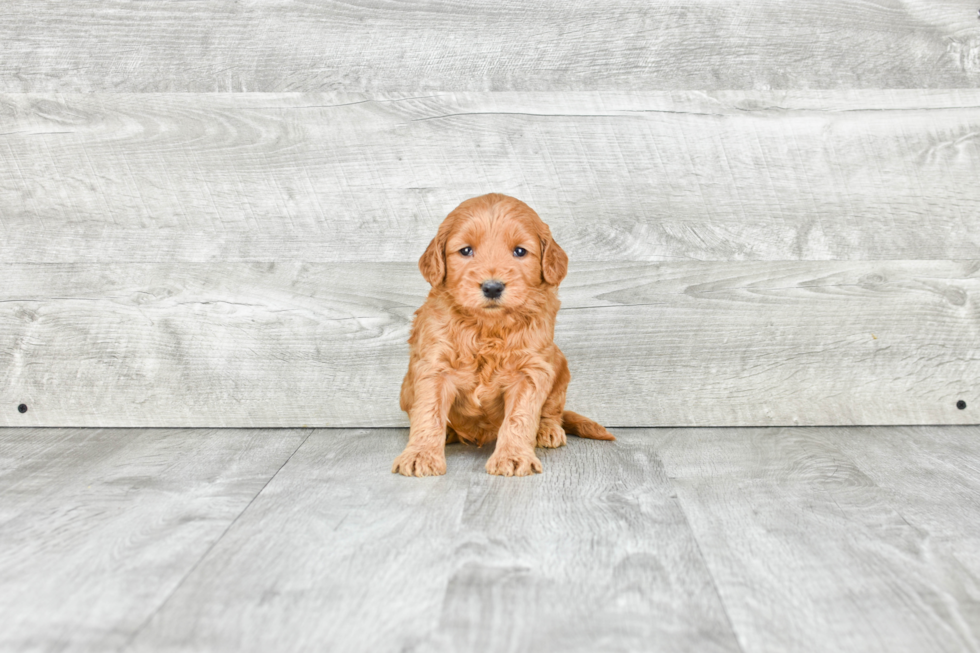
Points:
[420,462]
[513,464]
[550,436]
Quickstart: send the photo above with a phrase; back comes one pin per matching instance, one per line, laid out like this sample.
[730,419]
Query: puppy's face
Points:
[494,255]
[492,263]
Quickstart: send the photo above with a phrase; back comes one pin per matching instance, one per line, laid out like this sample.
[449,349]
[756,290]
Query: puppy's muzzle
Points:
[492,289]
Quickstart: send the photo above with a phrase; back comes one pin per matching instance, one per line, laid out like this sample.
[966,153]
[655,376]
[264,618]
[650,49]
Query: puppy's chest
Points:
[482,377]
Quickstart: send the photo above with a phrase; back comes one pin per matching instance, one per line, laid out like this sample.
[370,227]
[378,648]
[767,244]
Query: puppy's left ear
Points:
[554,260]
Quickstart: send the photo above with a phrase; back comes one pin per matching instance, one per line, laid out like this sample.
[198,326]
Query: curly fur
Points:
[485,369]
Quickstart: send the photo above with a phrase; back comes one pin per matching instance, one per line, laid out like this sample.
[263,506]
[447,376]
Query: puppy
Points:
[483,363]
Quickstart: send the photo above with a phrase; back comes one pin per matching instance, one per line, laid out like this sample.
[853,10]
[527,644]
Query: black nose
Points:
[492,289]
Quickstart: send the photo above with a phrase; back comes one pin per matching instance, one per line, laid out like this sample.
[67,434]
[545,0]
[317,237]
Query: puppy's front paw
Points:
[420,462]
[550,436]
[513,463]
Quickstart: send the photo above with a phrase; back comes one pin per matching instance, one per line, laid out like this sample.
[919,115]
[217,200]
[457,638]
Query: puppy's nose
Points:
[492,289]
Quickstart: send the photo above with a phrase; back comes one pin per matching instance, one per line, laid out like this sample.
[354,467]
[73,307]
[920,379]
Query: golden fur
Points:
[484,369]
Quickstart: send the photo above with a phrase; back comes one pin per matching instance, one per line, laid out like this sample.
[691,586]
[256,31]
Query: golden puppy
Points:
[483,363]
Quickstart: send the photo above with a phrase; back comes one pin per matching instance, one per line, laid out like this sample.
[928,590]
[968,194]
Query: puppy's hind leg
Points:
[550,432]
[451,435]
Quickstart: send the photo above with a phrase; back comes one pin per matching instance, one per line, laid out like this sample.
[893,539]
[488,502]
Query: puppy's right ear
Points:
[432,265]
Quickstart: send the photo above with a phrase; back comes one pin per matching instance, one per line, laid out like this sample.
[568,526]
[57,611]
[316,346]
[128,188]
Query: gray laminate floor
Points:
[753,539]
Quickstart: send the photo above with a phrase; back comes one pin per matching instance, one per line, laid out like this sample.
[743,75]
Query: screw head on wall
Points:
[22,408]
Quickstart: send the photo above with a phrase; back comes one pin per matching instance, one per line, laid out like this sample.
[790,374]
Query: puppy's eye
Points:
[466,251]
[520,252]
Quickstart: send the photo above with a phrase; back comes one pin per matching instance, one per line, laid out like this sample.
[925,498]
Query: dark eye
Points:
[520,252]
[466,251]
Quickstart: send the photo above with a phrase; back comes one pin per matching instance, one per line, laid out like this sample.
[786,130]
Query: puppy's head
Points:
[494,255]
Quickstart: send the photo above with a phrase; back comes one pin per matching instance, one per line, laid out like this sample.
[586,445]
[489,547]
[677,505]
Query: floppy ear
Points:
[432,265]
[554,261]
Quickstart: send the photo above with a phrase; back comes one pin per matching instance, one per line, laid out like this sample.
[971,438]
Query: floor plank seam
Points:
[458,528]
[190,572]
[704,560]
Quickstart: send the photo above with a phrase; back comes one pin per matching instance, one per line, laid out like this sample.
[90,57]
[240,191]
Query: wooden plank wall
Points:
[210,212]
[485,45]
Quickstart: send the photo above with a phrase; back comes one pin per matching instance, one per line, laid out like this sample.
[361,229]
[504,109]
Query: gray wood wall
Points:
[210,212]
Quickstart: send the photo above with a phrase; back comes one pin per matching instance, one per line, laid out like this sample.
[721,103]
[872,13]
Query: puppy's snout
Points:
[492,289]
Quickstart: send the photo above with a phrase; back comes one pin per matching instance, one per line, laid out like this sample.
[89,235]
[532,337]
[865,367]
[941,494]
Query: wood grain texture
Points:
[274,45]
[749,540]
[592,555]
[809,553]
[902,463]
[98,527]
[595,554]
[799,175]
[297,344]
[336,554]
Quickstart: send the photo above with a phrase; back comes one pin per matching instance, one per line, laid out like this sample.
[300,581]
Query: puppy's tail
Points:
[583,427]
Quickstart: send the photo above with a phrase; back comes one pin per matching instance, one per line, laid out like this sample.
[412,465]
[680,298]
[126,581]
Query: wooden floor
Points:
[754,539]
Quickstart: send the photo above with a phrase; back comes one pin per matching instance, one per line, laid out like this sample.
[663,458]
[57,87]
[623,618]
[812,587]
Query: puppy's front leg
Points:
[425,454]
[514,455]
